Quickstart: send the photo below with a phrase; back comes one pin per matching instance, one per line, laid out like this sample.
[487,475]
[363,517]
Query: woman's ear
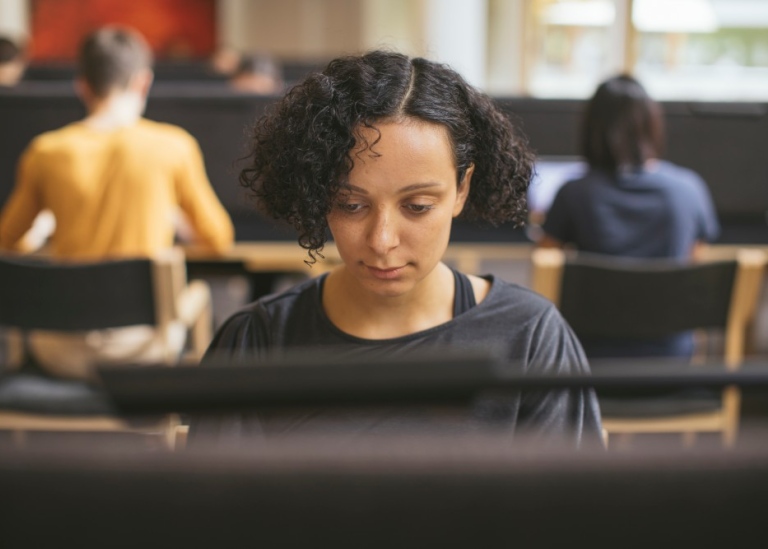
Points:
[463,190]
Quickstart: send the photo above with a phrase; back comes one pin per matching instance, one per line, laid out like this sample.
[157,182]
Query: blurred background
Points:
[220,63]
[680,49]
[706,61]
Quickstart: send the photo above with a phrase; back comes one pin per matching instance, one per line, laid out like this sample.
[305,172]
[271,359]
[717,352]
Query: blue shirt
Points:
[658,212]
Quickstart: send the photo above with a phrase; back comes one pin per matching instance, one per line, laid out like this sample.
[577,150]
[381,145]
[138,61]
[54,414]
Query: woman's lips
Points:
[385,274]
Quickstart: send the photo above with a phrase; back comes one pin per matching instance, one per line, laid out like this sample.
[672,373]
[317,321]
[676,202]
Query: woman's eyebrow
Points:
[407,189]
[418,186]
[355,188]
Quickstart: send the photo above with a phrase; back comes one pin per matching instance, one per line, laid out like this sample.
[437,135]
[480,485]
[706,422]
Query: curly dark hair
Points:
[301,150]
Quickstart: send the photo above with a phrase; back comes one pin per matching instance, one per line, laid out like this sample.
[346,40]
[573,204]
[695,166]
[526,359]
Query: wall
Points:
[173,28]
[394,24]
[306,29]
[317,30]
[14,19]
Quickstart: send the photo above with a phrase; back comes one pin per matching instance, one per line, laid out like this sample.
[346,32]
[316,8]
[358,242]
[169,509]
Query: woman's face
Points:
[391,224]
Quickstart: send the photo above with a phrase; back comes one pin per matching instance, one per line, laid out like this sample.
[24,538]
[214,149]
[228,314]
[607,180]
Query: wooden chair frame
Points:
[548,265]
[175,300]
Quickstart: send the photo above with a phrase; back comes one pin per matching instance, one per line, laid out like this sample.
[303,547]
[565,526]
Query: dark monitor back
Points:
[323,377]
[382,493]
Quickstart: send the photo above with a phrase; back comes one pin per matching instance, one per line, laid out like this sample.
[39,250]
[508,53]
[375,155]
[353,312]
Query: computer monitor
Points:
[324,379]
[551,173]
[381,493]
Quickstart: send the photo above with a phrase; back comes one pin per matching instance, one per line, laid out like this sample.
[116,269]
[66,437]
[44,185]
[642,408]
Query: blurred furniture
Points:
[619,298]
[426,492]
[289,257]
[39,294]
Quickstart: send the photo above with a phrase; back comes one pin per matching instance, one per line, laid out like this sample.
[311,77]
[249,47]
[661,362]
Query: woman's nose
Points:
[382,232]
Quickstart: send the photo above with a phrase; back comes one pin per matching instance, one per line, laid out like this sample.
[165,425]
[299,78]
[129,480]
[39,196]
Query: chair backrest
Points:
[621,298]
[43,294]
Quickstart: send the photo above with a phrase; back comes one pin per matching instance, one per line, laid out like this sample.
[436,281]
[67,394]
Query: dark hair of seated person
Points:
[12,62]
[301,149]
[623,126]
[259,74]
[110,57]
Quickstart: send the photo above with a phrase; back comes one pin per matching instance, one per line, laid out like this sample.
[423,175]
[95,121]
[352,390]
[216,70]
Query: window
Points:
[571,46]
[703,50]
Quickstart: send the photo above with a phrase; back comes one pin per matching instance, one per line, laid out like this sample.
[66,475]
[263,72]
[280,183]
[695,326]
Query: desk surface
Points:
[465,256]
[289,256]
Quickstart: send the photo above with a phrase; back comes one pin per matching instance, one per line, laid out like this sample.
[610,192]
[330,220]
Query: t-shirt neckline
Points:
[323,317]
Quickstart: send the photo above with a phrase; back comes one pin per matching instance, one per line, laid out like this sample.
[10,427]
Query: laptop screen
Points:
[551,173]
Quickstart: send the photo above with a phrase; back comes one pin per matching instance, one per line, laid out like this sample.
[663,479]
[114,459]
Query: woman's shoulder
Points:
[303,295]
[257,320]
[514,299]
[523,321]
[522,311]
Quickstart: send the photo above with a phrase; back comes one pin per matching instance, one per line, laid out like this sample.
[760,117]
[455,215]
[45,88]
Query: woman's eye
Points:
[419,208]
[349,207]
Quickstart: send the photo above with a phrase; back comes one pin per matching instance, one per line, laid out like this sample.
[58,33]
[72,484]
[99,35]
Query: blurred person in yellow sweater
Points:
[115,183]
[114,180]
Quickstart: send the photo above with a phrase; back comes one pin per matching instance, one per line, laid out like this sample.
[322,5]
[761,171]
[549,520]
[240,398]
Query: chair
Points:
[612,297]
[39,294]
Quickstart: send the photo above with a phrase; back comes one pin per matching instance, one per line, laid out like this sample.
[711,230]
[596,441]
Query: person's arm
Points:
[708,226]
[547,241]
[709,229]
[556,229]
[699,250]
[207,217]
[21,208]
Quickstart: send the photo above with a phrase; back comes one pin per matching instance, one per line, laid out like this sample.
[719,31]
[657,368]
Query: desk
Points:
[289,257]
[261,257]
[262,262]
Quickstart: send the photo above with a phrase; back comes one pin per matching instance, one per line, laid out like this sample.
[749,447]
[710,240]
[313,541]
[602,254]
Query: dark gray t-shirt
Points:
[522,325]
[660,212]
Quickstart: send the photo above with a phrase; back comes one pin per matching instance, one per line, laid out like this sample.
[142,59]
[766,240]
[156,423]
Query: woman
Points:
[631,203]
[384,151]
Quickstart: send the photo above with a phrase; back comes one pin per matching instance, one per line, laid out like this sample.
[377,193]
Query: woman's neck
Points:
[361,313]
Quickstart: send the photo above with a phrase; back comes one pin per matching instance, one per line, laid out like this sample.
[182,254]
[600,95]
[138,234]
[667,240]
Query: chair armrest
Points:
[192,301]
[194,307]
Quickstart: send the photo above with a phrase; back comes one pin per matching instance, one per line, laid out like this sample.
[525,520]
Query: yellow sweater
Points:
[115,193]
